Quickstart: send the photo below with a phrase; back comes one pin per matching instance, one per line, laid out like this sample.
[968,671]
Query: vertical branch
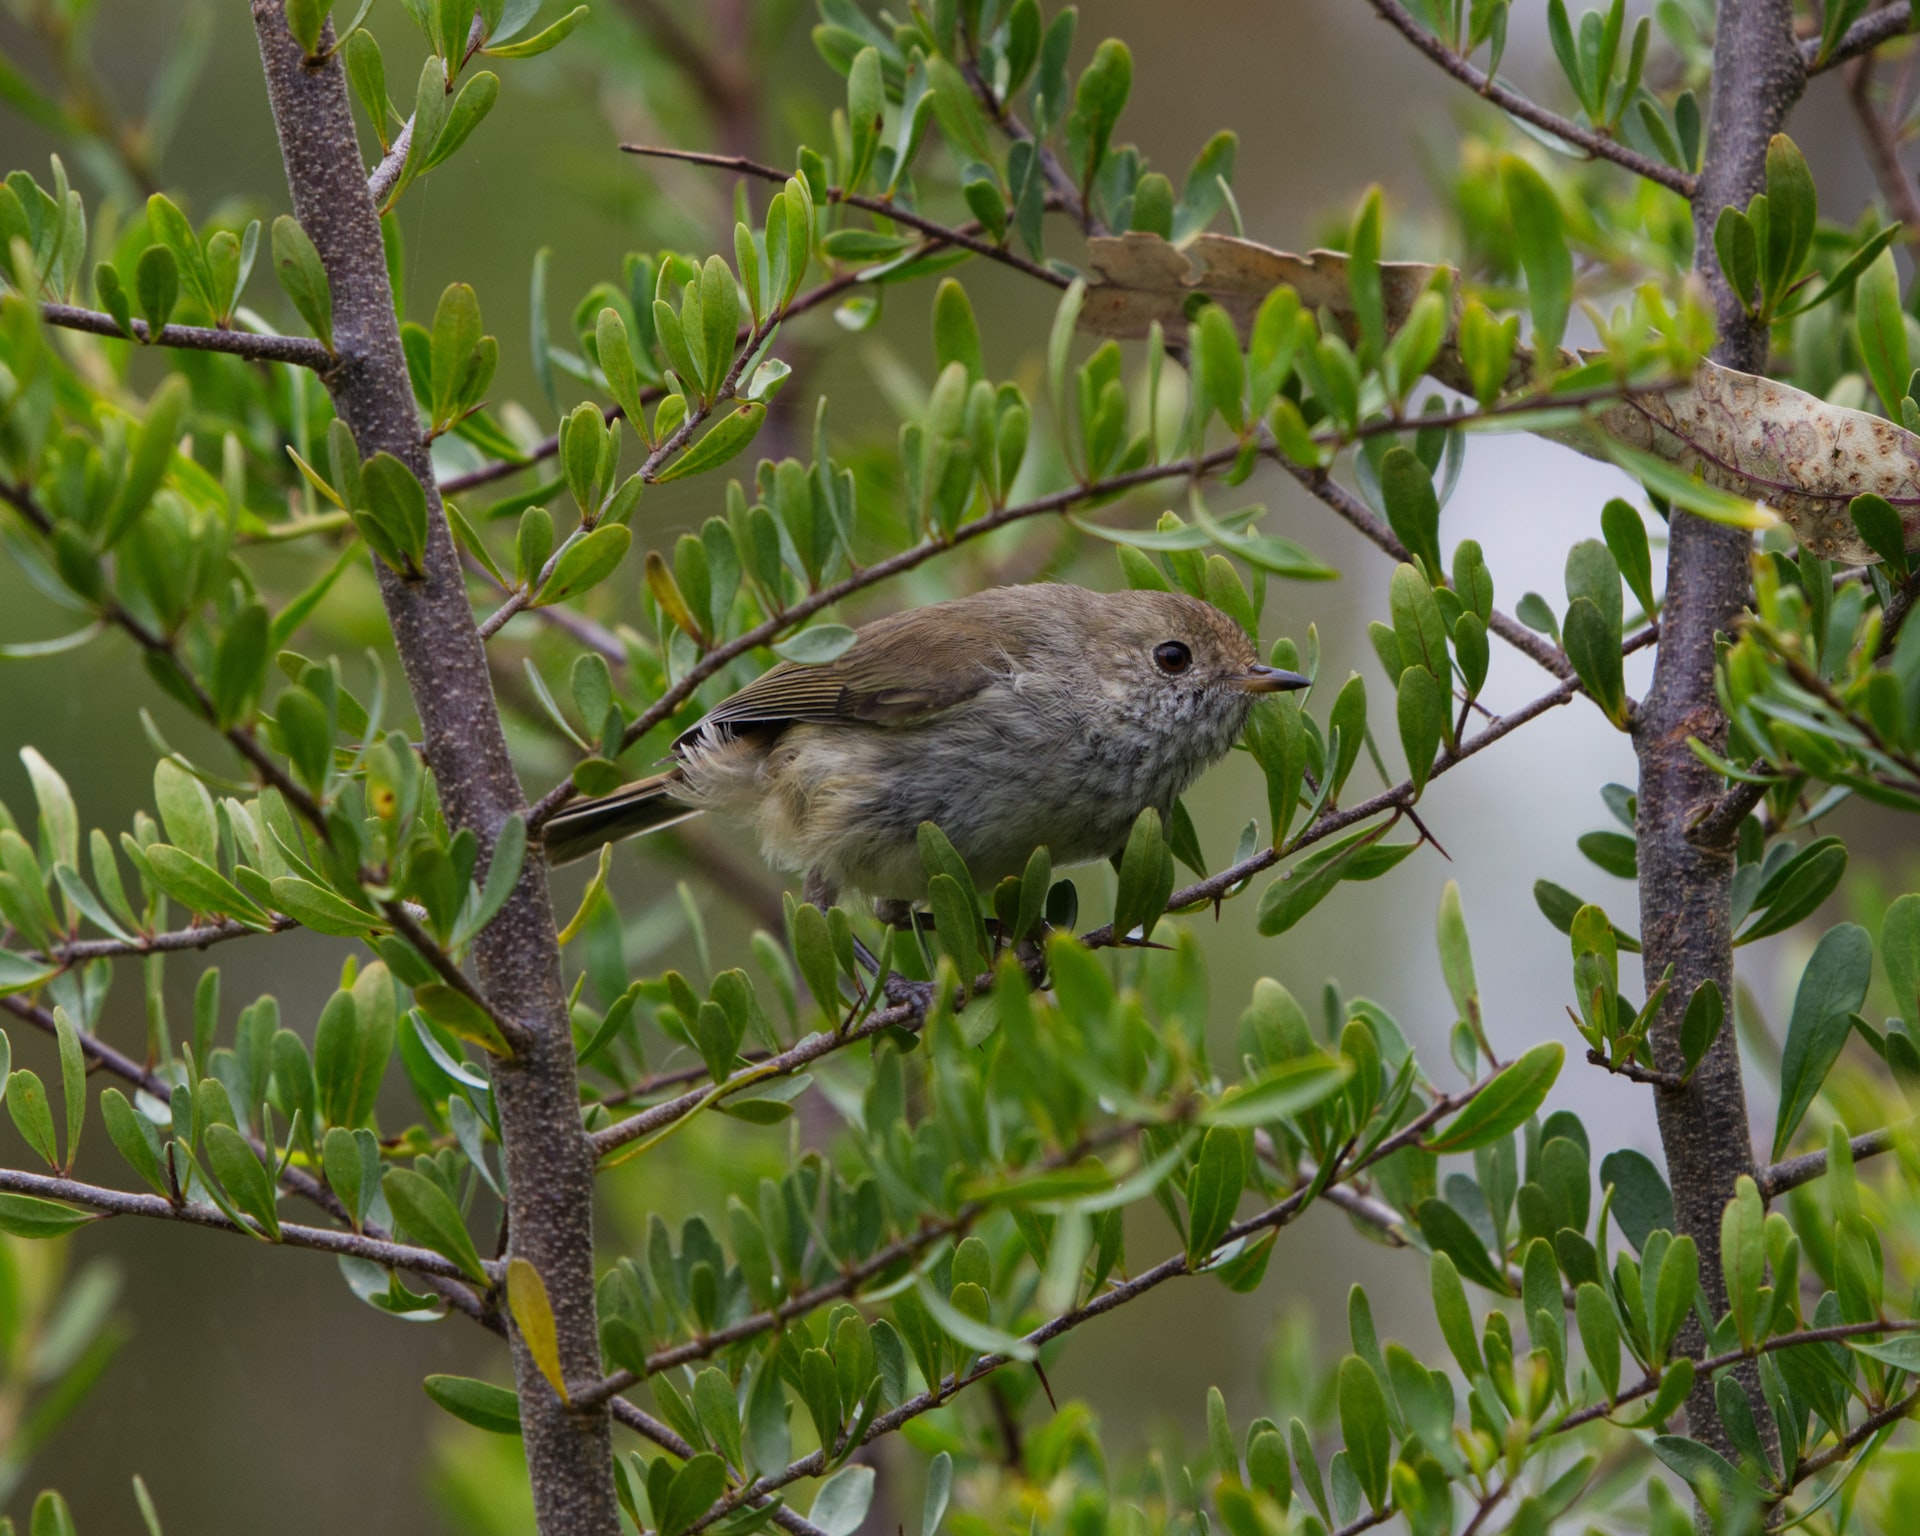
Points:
[1880,138]
[1686,889]
[549,1166]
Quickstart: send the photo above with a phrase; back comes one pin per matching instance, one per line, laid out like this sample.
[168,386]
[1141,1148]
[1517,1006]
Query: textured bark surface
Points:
[549,1165]
[1686,890]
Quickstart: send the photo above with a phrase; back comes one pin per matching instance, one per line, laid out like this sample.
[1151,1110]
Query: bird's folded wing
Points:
[899,669]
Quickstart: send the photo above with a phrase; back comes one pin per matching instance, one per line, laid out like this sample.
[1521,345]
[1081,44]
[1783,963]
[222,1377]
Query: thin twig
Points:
[1795,1171]
[1633,1072]
[382,179]
[300,351]
[198,936]
[885,208]
[1880,137]
[1883,26]
[1865,1430]
[1719,825]
[1512,102]
[115,1202]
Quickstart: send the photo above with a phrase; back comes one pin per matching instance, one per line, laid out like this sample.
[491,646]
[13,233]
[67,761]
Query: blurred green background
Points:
[255,1392]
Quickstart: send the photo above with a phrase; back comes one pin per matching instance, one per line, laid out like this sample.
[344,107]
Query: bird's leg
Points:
[818,891]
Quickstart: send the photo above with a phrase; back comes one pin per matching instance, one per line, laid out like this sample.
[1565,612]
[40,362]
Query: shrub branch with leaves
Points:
[1005,1091]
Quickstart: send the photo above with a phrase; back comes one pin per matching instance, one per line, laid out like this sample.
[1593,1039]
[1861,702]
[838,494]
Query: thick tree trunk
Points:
[549,1165]
[1685,889]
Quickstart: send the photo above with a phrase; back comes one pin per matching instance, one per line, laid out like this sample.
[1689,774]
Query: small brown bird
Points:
[1016,717]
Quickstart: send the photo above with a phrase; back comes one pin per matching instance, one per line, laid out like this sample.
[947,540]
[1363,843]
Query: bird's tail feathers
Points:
[644,806]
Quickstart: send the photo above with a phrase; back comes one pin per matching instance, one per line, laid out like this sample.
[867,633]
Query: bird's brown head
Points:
[1168,645]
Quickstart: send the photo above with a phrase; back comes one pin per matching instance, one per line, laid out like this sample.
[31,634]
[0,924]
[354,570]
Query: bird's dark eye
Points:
[1172,657]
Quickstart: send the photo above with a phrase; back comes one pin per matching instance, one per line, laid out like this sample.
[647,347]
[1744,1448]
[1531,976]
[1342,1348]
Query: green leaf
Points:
[548,37]
[586,563]
[455,335]
[1880,326]
[1626,537]
[1450,1235]
[1593,646]
[1642,1203]
[1421,708]
[351,1160]
[453,1010]
[18,974]
[728,437]
[1281,1092]
[1220,371]
[240,666]
[1673,1294]
[1309,882]
[1902,1352]
[719,319]
[1505,1103]
[971,1332]
[1700,1026]
[1880,526]
[840,1507]
[691,1493]
[201,888]
[351,1046]
[134,1136]
[30,1216]
[152,458]
[479,1403]
[1213,1191]
[1541,243]
[397,506]
[1832,988]
[1743,1256]
[430,1218]
[73,1080]
[1792,216]
[1599,1335]
[1456,955]
[315,907]
[305,18]
[240,1173]
[503,874]
[1363,1424]
[156,283]
[1690,492]
[1900,954]
[1739,255]
[1455,1316]
[297,264]
[474,102]
[1413,507]
[1705,1470]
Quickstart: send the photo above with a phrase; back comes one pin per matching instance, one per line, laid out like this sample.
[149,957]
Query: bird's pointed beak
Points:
[1259,679]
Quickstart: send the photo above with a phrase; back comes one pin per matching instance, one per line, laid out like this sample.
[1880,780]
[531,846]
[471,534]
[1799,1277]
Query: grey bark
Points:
[1686,889]
[549,1164]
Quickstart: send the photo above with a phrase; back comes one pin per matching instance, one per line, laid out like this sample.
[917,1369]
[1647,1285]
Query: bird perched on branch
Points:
[1016,717]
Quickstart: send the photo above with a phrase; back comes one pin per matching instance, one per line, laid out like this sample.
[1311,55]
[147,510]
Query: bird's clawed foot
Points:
[900,990]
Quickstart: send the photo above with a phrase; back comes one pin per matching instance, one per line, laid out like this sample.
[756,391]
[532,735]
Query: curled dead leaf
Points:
[1800,456]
